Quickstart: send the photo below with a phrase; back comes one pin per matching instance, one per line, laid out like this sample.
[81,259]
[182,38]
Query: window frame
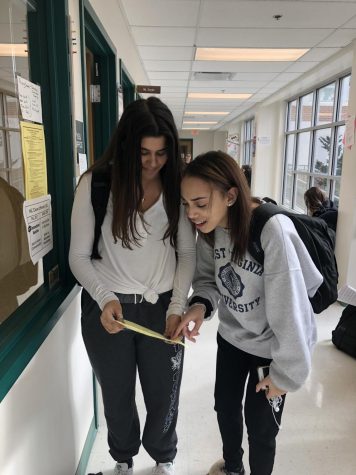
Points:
[313,130]
[249,141]
[25,330]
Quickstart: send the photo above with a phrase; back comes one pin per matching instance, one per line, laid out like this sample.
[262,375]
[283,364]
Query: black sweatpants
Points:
[233,366]
[115,358]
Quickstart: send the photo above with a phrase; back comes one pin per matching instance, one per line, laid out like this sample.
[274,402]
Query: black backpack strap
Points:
[259,218]
[100,191]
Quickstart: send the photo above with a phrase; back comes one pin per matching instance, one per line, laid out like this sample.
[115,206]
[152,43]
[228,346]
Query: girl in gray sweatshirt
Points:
[266,319]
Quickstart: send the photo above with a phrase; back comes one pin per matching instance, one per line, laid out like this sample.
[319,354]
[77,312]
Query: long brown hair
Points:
[142,118]
[222,172]
[315,198]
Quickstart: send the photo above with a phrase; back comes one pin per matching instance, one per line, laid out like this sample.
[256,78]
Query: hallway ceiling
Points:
[167,33]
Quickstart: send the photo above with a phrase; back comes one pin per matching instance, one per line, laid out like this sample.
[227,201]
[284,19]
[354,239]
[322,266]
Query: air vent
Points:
[213,76]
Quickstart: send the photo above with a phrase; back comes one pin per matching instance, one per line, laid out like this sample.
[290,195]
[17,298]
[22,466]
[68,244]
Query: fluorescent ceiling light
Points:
[195,128]
[198,122]
[206,113]
[8,49]
[249,54]
[216,95]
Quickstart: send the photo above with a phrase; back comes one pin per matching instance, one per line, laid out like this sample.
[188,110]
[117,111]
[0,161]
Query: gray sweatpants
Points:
[115,360]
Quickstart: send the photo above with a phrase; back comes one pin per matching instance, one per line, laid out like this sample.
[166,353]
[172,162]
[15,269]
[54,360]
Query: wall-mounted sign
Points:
[149,89]
[264,140]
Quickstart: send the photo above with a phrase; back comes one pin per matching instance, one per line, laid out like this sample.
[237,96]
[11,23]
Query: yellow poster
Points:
[34,155]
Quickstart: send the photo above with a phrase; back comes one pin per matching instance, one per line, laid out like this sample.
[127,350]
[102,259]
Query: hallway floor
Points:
[319,422]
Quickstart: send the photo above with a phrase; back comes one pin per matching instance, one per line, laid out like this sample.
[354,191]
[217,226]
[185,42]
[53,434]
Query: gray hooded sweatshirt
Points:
[264,310]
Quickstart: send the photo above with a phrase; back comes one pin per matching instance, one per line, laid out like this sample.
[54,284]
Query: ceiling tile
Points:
[261,37]
[167,65]
[350,24]
[165,89]
[158,36]
[287,77]
[169,75]
[169,82]
[163,53]
[303,67]
[294,14]
[161,12]
[181,94]
[339,39]
[318,54]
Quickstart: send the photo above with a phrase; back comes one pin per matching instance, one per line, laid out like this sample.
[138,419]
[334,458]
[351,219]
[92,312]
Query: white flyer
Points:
[30,100]
[38,219]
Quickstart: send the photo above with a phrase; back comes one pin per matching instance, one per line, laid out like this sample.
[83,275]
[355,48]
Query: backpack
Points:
[319,241]
[344,335]
[100,192]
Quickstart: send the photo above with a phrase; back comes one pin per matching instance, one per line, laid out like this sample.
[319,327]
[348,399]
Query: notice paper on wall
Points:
[347,294]
[83,164]
[350,131]
[38,219]
[30,100]
[34,157]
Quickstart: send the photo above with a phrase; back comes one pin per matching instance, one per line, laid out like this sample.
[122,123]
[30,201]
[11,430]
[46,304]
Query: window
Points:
[33,297]
[314,142]
[249,142]
[19,278]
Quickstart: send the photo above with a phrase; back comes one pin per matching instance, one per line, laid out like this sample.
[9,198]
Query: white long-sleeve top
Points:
[149,269]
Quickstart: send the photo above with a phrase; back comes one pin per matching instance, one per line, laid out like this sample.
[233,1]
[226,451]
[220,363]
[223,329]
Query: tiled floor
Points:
[319,423]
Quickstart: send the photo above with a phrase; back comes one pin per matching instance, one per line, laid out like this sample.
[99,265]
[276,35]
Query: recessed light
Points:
[205,113]
[195,128]
[198,122]
[249,54]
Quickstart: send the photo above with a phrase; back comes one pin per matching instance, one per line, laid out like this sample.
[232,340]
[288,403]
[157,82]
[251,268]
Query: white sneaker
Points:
[123,469]
[219,469]
[163,469]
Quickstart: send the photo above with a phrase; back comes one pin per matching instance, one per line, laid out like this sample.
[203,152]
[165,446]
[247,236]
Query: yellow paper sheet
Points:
[34,156]
[146,331]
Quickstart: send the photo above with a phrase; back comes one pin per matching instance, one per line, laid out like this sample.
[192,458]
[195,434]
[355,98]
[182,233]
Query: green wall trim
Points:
[16,360]
[89,442]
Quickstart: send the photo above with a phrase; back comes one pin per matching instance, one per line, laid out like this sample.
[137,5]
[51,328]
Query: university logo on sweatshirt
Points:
[231,280]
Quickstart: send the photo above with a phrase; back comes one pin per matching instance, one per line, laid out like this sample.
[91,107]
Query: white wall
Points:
[346,236]
[205,141]
[219,141]
[45,418]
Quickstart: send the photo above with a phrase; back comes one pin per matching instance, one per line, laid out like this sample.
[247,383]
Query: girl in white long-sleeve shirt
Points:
[145,261]
[266,319]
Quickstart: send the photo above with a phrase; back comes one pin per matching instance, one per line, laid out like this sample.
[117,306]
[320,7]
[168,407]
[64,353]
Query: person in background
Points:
[143,274]
[247,171]
[188,157]
[266,199]
[17,272]
[319,206]
[266,319]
